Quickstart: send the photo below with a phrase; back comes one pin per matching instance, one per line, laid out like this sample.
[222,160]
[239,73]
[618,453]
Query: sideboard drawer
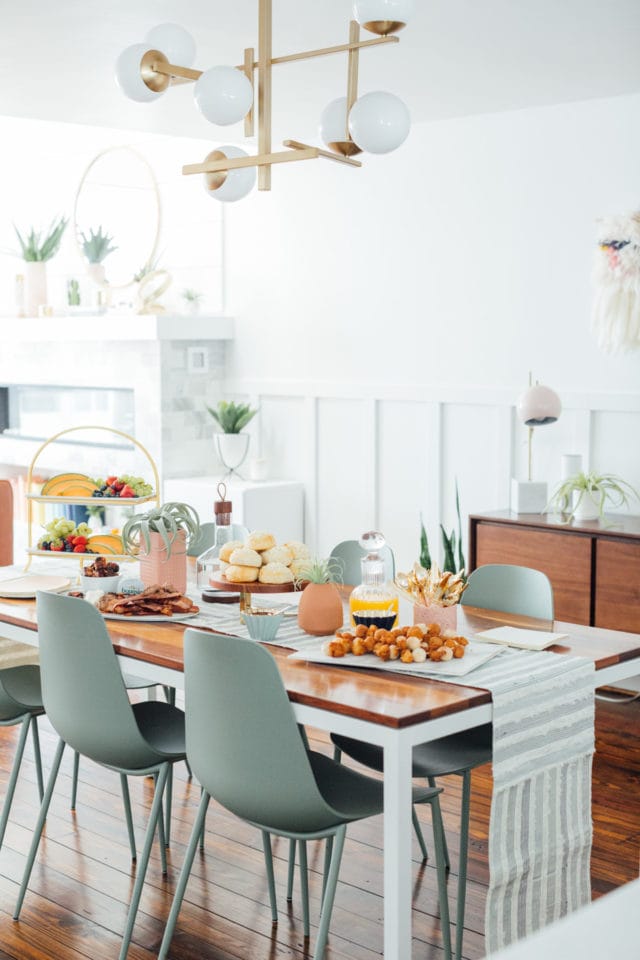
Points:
[617,585]
[566,560]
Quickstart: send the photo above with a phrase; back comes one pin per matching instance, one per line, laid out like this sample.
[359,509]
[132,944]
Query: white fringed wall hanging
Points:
[615,317]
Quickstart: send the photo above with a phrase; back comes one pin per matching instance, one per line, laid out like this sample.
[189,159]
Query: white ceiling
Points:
[457,57]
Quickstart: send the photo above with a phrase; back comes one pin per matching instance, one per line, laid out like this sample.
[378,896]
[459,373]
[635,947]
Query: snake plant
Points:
[167,520]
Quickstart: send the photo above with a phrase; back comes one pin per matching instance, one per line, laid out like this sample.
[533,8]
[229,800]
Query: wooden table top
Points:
[366,694]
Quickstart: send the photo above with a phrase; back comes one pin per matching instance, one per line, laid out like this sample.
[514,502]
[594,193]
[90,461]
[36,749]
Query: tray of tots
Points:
[260,563]
[420,648]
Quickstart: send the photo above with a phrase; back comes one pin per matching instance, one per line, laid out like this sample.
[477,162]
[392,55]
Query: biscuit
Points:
[245,557]
[275,573]
[299,566]
[298,549]
[239,574]
[259,540]
[228,548]
[277,555]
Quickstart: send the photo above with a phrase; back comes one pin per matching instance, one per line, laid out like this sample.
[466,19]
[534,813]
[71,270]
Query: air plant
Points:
[168,520]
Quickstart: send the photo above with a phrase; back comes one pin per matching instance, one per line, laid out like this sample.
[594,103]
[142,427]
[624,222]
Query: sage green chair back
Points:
[20,692]
[349,553]
[510,588]
[82,687]
[243,741]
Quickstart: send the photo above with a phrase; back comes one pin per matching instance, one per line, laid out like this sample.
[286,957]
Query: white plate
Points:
[475,655]
[150,617]
[25,588]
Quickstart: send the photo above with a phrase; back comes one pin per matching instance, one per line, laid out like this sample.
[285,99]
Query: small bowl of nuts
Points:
[102,574]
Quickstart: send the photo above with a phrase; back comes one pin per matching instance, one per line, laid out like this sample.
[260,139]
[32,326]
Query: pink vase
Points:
[445,617]
[156,568]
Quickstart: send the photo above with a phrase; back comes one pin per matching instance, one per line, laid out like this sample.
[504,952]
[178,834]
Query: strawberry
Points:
[80,548]
[57,549]
[70,539]
[80,541]
[127,491]
[118,484]
[110,481]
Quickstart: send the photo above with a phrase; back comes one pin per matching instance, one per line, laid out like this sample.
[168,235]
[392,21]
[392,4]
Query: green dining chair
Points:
[20,703]
[246,750]
[86,702]
[349,554]
[512,589]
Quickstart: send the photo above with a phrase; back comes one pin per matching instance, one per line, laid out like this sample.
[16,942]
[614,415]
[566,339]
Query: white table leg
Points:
[397,848]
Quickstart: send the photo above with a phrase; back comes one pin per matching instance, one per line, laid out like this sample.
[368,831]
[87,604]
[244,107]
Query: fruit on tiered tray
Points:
[260,559]
[69,485]
[125,486]
[63,536]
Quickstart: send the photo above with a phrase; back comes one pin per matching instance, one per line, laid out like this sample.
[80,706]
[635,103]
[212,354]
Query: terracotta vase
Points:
[158,568]
[320,611]
[446,617]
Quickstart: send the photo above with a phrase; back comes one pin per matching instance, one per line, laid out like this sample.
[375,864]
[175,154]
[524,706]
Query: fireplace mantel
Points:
[120,327]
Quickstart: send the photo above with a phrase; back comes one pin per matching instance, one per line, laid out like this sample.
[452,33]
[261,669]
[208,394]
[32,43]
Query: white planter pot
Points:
[232,448]
[587,506]
[35,286]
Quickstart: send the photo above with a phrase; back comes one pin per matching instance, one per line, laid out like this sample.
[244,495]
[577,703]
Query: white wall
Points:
[388,317]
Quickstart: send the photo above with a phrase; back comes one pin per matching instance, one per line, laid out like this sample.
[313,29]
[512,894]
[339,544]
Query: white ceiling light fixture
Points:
[378,122]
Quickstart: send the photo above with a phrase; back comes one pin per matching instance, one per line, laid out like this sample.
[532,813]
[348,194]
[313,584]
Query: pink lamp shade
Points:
[538,406]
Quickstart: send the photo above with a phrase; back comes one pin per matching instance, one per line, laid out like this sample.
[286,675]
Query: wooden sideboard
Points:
[594,566]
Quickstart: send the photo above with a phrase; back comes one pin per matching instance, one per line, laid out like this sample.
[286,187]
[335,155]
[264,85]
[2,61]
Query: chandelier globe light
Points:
[377,122]
[223,95]
[176,43]
[229,185]
[383,16]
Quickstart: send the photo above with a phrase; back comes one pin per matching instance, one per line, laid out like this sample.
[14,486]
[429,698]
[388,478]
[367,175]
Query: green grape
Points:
[82,530]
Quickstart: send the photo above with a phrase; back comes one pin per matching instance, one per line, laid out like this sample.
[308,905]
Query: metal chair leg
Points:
[156,807]
[160,818]
[13,779]
[42,816]
[464,856]
[337,754]
[268,862]
[304,887]
[418,832]
[74,779]
[327,902]
[204,823]
[196,833]
[328,847]
[291,870]
[438,839]
[126,799]
[168,791]
[447,862]
[35,736]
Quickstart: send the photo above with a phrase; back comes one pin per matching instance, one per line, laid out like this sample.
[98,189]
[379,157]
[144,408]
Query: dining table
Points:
[394,712]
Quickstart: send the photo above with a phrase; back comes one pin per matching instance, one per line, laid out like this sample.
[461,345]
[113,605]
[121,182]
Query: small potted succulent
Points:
[320,611]
[192,298]
[232,445]
[96,248]
[35,249]
[159,539]
[584,496]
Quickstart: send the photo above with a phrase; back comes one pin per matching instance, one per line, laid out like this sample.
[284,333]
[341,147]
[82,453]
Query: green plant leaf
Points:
[425,553]
[231,416]
[461,561]
[448,550]
[167,520]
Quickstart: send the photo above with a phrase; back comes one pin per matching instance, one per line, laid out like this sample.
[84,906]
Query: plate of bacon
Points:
[153,604]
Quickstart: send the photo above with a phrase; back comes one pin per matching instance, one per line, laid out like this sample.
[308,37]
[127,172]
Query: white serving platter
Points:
[151,617]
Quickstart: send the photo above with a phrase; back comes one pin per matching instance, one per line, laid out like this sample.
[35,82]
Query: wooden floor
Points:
[80,887]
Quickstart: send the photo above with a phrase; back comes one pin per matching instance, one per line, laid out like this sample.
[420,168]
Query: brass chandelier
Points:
[377,122]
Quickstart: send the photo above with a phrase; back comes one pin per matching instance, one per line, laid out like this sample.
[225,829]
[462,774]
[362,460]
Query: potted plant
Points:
[320,610]
[232,445]
[192,299]
[95,249]
[160,539]
[35,249]
[585,495]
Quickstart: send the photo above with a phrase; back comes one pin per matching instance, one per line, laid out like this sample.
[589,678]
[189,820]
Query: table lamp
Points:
[538,406]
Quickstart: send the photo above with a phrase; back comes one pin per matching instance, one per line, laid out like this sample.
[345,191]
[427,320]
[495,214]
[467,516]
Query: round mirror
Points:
[117,217]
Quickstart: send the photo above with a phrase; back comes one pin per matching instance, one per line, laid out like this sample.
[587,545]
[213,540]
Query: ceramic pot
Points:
[445,617]
[158,568]
[98,277]
[587,506]
[35,286]
[232,448]
[320,610]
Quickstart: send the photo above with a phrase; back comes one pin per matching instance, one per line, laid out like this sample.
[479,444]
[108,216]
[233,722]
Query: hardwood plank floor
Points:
[83,878]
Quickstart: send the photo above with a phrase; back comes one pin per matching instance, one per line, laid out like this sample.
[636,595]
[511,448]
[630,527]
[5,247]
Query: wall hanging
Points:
[616,305]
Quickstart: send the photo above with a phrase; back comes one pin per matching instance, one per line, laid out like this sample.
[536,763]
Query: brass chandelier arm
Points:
[324,154]
[263,160]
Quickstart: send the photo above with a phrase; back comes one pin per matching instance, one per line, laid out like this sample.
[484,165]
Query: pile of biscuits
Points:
[415,644]
[260,559]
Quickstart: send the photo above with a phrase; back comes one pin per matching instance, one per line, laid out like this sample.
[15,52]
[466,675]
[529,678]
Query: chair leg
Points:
[170,696]
[432,783]
[124,783]
[464,853]
[327,902]
[13,779]
[304,887]
[204,823]
[35,736]
[328,847]
[418,831]
[74,779]
[141,871]
[196,833]
[42,816]
[292,869]
[168,795]
[337,754]
[268,862]
[161,841]
[441,871]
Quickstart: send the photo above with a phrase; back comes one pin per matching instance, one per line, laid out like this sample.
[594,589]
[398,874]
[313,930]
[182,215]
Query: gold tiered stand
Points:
[32,550]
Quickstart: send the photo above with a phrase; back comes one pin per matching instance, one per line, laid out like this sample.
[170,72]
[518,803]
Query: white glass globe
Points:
[383,16]
[224,95]
[174,41]
[334,131]
[128,76]
[379,122]
[237,183]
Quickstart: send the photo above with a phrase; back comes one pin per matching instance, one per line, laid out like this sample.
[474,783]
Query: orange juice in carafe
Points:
[373,602]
